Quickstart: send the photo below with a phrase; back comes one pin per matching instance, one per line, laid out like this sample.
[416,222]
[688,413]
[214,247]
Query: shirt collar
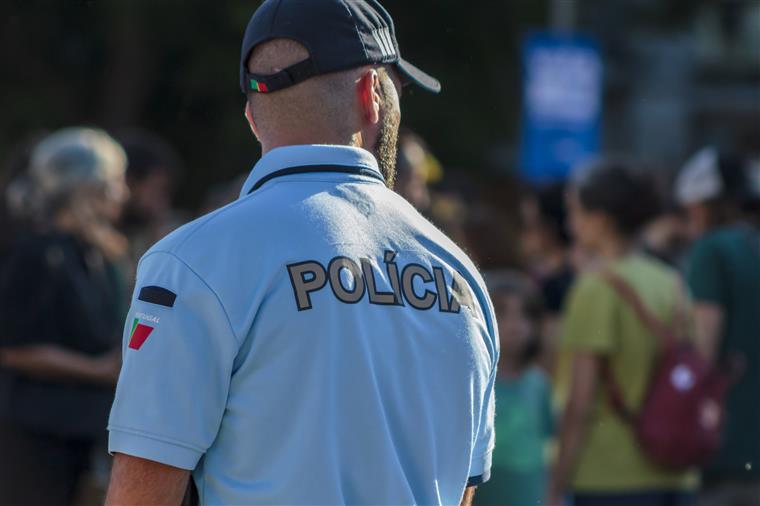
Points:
[308,155]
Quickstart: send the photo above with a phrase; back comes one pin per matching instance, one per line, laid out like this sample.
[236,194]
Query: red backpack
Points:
[679,425]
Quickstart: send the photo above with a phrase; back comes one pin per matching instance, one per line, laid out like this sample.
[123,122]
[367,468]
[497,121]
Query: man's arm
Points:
[707,281]
[575,423]
[162,412]
[136,481]
[49,361]
[469,494]
[708,319]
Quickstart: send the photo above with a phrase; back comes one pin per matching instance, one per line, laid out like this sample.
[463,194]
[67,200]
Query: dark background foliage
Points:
[172,67]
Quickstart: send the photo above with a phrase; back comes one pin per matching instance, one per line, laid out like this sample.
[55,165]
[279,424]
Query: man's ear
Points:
[369,96]
[249,116]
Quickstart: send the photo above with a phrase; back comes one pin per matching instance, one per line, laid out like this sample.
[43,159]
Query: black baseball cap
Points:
[339,35]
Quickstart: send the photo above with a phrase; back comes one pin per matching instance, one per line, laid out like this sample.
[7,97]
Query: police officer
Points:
[317,341]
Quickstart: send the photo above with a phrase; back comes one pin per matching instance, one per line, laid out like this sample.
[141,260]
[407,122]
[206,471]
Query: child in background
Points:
[524,420]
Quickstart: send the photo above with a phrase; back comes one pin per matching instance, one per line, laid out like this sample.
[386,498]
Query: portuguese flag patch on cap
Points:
[257,86]
[139,335]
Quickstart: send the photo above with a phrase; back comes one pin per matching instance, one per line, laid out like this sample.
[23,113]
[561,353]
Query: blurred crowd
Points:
[80,206]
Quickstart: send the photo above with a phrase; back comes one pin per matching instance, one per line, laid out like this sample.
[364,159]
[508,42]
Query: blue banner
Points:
[562,104]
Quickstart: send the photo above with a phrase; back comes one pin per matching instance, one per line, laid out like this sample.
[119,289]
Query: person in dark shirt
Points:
[723,273]
[62,306]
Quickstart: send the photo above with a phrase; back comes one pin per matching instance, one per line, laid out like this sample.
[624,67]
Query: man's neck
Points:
[301,140]
[615,248]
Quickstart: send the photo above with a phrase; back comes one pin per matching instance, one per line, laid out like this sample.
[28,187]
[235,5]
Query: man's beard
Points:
[387,144]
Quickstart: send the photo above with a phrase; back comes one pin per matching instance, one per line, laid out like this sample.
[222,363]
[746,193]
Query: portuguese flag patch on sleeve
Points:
[140,334]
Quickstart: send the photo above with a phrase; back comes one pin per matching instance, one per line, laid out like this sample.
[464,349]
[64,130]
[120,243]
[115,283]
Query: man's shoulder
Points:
[213,232]
[727,237]
[429,232]
[435,240]
[173,241]
[655,270]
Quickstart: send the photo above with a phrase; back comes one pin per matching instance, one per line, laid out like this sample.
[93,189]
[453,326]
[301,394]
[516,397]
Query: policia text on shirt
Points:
[431,287]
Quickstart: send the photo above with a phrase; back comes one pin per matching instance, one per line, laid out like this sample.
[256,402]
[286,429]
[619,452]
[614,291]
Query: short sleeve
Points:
[179,350]
[480,463]
[590,322]
[704,273]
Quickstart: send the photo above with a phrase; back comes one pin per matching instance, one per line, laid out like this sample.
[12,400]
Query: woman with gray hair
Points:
[62,306]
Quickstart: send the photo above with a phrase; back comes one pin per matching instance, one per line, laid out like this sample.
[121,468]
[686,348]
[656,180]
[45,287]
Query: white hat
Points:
[73,157]
[62,162]
[699,179]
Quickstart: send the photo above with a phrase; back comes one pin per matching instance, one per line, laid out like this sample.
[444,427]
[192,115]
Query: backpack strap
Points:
[667,335]
[616,395]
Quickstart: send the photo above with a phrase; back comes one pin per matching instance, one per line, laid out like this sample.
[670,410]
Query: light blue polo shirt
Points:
[315,342]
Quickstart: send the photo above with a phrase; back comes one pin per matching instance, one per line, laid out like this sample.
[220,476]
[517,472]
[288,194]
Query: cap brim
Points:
[413,75]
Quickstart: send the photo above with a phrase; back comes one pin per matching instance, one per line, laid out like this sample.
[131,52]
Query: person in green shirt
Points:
[599,461]
[723,273]
[524,422]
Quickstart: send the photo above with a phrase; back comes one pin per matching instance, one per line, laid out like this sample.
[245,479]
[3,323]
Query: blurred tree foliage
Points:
[172,67]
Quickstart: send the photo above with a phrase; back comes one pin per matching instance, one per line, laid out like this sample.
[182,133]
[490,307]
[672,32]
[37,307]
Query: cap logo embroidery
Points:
[383,38]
